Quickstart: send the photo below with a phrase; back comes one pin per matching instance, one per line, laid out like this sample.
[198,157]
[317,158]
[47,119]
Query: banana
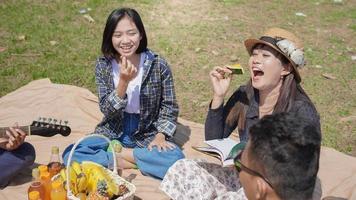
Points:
[81,196]
[77,168]
[63,174]
[80,176]
[87,166]
[73,180]
[73,187]
[82,183]
[94,173]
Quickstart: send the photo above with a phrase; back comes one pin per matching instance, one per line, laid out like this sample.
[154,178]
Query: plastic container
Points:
[42,169]
[34,195]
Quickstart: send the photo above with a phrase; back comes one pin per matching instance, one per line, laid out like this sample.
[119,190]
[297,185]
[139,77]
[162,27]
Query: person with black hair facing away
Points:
[273,87]
[279,162]
[137,97]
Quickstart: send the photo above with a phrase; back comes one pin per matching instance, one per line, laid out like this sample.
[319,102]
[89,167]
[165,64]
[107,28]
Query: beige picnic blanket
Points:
[79,106]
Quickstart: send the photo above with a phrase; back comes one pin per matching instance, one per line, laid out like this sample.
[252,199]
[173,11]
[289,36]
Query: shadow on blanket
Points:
[182,135]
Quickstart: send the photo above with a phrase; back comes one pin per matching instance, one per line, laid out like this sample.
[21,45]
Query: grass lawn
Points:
[50,38]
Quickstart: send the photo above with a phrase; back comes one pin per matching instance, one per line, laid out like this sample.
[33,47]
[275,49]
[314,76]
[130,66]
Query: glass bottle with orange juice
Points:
[36,184]
[46,181]
[58,192]
[55,164]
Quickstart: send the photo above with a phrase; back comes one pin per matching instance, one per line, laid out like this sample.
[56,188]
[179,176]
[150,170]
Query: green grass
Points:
[194,37]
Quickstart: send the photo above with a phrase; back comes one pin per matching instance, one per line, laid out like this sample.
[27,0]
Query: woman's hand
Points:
[16,137]
[161,143]
[220,78]
[127,70]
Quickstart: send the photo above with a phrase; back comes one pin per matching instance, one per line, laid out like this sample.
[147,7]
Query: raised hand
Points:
[127,70]
[220,78]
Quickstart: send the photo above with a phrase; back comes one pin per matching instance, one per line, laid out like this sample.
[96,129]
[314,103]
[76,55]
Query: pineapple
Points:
[101,193]
[102,188]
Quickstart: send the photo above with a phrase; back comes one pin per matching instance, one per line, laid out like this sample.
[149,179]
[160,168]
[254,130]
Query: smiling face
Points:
[126,37]
[266,68]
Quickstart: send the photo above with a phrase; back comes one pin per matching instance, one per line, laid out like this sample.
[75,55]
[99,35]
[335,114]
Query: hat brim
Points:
[250,43]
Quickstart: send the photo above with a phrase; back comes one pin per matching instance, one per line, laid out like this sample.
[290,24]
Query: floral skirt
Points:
[198,179]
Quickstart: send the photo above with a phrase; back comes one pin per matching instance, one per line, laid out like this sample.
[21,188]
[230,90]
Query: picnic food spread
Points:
[88,180]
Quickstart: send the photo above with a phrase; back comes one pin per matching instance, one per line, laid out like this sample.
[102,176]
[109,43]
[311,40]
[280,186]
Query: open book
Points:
[222,149]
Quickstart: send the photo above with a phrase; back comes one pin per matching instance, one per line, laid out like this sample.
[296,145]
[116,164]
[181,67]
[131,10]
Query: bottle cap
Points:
[35,173]
[56,184]
[45,175]
[43,168]
[34,195]
[55,150]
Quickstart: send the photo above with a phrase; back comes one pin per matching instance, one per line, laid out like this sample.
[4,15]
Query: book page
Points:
[210,151]
[223,145]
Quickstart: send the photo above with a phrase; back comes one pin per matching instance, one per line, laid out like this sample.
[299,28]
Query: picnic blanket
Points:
[42,98]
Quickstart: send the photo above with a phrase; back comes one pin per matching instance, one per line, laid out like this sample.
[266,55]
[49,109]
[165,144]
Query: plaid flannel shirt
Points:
[158,104]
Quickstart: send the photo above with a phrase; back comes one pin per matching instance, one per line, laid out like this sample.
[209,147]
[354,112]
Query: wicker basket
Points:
[118,180]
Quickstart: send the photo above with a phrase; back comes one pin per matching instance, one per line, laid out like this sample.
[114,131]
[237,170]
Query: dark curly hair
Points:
[287,147]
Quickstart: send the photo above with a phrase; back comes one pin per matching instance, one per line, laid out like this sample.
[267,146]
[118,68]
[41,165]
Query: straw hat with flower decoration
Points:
[285,43]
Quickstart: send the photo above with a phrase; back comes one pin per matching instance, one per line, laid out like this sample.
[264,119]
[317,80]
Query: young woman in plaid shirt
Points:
[137,98]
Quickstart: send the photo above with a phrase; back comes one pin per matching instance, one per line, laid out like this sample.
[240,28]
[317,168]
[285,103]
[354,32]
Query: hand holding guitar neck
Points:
[45,127]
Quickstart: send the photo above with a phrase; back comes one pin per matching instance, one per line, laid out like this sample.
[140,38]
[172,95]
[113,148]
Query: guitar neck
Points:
[26,129]
[39,128]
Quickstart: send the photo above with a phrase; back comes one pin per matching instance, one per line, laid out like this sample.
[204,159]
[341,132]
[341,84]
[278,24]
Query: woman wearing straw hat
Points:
[274,87]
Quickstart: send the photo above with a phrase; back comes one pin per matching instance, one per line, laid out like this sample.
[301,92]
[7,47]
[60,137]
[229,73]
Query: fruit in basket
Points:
[87,166]
[81,196]
[101,192]
[76,167]
[63,174]
[96,173]
[73,180]
[99,174]
[102,188]
[82,182]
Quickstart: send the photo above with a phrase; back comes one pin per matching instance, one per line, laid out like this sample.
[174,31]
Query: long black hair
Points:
[106,47]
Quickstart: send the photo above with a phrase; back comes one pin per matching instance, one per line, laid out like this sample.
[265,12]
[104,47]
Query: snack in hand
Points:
[236,69]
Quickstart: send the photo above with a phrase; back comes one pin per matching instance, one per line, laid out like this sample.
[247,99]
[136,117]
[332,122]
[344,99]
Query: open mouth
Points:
[126,47]
[257,72]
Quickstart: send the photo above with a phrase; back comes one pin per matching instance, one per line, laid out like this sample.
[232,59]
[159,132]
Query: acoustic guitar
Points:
[45,127]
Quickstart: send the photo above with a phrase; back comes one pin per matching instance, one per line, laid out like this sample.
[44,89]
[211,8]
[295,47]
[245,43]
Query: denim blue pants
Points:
[152,163]
[12,162]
